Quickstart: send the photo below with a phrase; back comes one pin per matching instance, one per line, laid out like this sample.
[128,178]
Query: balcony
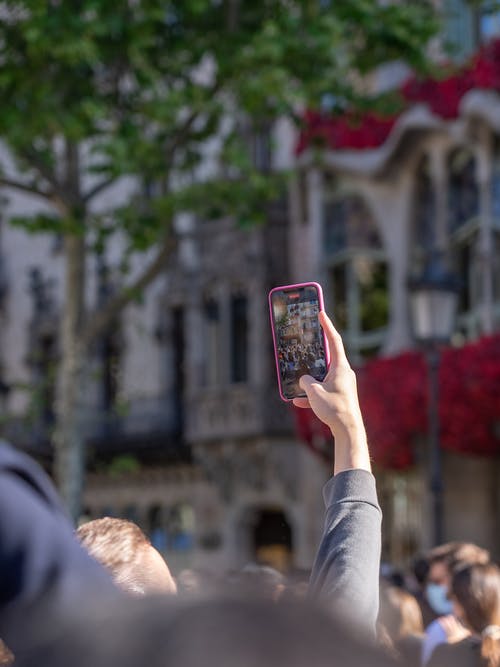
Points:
[151,425]
[148,428]
[238,411]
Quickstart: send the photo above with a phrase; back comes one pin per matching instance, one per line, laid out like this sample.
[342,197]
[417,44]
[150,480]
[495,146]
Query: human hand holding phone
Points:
[335,401]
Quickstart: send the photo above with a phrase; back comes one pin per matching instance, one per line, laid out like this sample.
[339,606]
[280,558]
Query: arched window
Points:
[357,274]
[272,539]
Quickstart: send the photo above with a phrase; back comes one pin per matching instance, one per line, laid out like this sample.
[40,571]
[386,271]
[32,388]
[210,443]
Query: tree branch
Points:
[183,132]
[24,187]
[102,319]
[48,195]
[34,159]
[97,189]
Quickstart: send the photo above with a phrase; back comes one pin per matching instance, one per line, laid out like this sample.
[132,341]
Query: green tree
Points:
[94,91]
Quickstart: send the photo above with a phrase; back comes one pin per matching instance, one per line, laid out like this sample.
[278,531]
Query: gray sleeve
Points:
[345,573]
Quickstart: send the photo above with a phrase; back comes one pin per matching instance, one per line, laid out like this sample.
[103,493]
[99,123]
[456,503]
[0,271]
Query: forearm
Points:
[345,574]
[351,448]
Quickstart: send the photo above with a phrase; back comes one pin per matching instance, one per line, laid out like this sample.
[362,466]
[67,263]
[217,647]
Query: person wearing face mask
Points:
[443,561]
[475,595]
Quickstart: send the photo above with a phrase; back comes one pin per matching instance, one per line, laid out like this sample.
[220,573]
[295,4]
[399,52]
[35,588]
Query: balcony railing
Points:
[147,425]
[238,411]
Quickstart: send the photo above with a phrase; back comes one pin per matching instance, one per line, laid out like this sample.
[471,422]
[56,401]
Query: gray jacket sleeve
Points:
[345,573]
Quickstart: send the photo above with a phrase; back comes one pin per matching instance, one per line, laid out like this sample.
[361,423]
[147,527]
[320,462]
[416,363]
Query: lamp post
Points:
[433,301]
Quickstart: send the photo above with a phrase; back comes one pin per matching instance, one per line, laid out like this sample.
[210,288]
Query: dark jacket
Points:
[466,653]
[39,554]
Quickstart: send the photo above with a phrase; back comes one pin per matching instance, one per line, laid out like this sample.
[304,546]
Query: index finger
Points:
[335,344]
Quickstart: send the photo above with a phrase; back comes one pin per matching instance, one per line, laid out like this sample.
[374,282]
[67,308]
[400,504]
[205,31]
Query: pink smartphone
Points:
[300,346]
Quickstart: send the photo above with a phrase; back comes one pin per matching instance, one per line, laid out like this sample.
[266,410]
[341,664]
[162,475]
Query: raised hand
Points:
[335,402]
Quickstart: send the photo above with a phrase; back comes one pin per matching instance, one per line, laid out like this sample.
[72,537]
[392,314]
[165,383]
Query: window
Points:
[44,367]
[180,527]
[257,138]
[239,339]
[424,215]
[43,352]
[459,28]
[178,363]
[468,25]
[212,326]
[111,357]
[358,275]
[487,19]
[463,193]
[463,229]
[156,527]
[261,148]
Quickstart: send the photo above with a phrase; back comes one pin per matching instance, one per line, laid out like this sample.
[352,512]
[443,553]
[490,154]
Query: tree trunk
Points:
[69,436]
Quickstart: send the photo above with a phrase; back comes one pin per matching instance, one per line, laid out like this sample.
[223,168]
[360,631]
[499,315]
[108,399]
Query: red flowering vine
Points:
[442,95]
[394,393]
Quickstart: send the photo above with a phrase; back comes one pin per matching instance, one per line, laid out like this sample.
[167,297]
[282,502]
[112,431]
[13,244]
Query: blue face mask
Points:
[437,596]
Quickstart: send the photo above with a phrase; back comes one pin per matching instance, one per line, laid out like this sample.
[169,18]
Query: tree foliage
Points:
[153,89]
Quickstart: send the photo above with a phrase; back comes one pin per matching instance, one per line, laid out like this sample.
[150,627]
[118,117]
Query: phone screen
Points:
[299,340]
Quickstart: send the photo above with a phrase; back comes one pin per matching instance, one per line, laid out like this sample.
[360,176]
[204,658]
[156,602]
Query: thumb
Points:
[306,382]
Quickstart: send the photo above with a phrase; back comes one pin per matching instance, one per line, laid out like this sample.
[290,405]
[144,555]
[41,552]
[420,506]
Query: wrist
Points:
[351,433]
[351,447]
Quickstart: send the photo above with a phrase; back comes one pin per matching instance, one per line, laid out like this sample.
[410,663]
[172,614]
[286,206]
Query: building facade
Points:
[186,431]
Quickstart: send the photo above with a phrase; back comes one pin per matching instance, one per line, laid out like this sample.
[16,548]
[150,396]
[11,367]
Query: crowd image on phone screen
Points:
[299,339]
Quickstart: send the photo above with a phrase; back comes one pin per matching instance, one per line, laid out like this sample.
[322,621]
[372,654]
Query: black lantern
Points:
[434,296]
[433,301]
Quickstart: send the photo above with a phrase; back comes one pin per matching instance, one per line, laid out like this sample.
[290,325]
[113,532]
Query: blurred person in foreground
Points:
[40,558]
[475,595]
[222,632]
[400,624]
[444,560]
[122,548]
[336,626]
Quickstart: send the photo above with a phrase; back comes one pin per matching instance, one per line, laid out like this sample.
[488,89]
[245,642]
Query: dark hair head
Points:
[456,555]
[477,589]
[420,568]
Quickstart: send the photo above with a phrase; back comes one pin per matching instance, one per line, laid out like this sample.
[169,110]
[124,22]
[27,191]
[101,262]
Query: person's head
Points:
[443,561]
[420,569]
[260,580]
[400,613]
[215,632]
[125,551]
[475,593]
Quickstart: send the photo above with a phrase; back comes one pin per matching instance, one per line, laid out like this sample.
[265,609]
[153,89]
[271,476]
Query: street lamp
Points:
[433,303]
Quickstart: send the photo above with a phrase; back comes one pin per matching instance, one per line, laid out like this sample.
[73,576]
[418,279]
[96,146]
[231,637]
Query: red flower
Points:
[393,394]
[443,96]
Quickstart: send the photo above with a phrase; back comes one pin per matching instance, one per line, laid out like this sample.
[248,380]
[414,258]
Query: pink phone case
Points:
[325,342]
